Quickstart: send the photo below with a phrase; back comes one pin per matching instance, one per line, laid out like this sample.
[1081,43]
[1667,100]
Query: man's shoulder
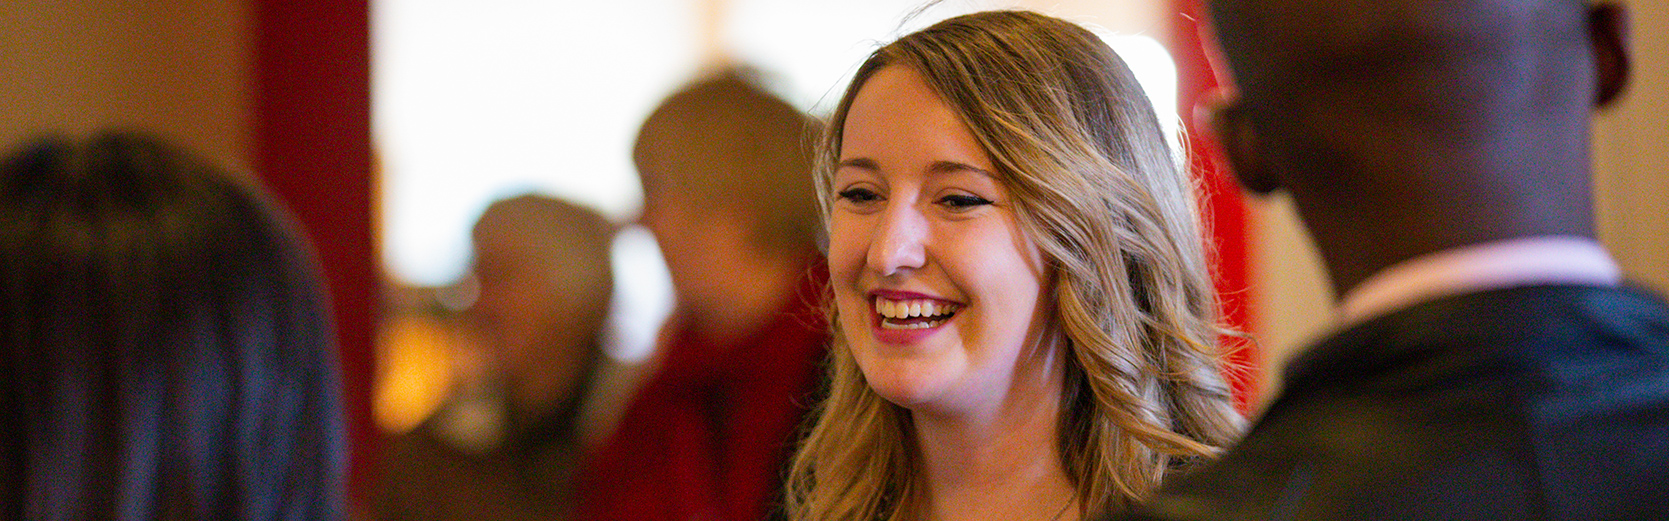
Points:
[1500,332]
[1358,457]
[1557,413]
[1511,312]
[1367,459]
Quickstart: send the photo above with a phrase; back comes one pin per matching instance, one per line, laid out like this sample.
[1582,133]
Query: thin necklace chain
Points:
[1062,511]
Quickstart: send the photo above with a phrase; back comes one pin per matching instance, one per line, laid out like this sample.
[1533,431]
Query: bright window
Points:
[482,99]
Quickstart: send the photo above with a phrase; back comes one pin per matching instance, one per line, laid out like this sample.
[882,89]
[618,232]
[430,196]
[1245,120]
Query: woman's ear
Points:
[1608,36]
[1226,117]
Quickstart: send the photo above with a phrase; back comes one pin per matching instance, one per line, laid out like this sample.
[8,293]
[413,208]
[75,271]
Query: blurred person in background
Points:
[507,443]
[167,352]
[727,193]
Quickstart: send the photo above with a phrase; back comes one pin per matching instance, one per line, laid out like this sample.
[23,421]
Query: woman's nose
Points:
[899,243]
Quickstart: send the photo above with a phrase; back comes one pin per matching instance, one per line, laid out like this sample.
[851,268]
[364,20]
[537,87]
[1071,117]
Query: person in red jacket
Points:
[727,192]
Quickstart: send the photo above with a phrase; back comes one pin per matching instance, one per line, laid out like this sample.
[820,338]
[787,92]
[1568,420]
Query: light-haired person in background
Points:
[726,172]
[508,442]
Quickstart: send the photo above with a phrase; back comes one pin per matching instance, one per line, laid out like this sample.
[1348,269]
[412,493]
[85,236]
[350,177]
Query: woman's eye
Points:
[858,195]
[963,201]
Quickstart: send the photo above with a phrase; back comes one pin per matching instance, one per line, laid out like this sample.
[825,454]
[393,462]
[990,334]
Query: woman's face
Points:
[940,294]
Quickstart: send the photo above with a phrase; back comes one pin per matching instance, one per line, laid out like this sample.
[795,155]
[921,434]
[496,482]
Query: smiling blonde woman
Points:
[1024,326]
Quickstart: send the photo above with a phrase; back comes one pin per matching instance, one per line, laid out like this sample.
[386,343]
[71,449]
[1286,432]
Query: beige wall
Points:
[178,68]
[1631,155]
[1631,197]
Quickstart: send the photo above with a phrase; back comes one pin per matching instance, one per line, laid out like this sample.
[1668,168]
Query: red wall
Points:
[312,146]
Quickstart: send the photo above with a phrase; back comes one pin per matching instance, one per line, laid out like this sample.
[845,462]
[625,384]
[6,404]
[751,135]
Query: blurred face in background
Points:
[695,238]
[727,193]
[940,294]
[536,319]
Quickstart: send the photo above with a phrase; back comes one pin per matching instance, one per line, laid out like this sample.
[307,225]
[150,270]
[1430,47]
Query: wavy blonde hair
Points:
[1078,144]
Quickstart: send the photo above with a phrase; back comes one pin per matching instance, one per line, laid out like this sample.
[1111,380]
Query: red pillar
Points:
[1224,206]
[312,147]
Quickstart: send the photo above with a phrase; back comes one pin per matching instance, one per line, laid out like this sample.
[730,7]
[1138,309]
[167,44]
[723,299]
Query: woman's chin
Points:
[911,380]
[906,398]
[907,390]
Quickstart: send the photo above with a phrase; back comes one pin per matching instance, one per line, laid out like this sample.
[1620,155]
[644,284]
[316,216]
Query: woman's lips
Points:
[902,317]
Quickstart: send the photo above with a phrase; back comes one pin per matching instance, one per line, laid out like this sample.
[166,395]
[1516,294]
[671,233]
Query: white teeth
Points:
[900,309]
[888,324]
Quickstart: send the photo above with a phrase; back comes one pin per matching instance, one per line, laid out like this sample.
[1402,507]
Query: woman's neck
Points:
[1002,464]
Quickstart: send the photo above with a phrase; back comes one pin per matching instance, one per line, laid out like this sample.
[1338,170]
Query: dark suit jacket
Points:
[1529,403]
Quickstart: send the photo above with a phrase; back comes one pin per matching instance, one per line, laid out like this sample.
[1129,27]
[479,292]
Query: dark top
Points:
[428,479]
[1546,402]
[527,475]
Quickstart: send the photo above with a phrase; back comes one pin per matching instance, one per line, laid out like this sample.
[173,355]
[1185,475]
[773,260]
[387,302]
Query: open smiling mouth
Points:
[913,313]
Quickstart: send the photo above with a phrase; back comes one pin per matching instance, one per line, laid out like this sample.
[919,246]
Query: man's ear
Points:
[1226,117]
[1608,36]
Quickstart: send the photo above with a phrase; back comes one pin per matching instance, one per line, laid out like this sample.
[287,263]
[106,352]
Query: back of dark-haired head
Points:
[166,349]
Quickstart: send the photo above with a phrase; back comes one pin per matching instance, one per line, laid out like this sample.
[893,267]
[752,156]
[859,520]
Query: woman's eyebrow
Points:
[946,167]
[859,162]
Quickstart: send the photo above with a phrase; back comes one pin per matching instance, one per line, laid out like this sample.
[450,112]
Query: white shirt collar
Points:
[1523,261]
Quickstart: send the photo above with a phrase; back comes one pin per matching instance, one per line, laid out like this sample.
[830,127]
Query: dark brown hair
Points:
[166,348]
